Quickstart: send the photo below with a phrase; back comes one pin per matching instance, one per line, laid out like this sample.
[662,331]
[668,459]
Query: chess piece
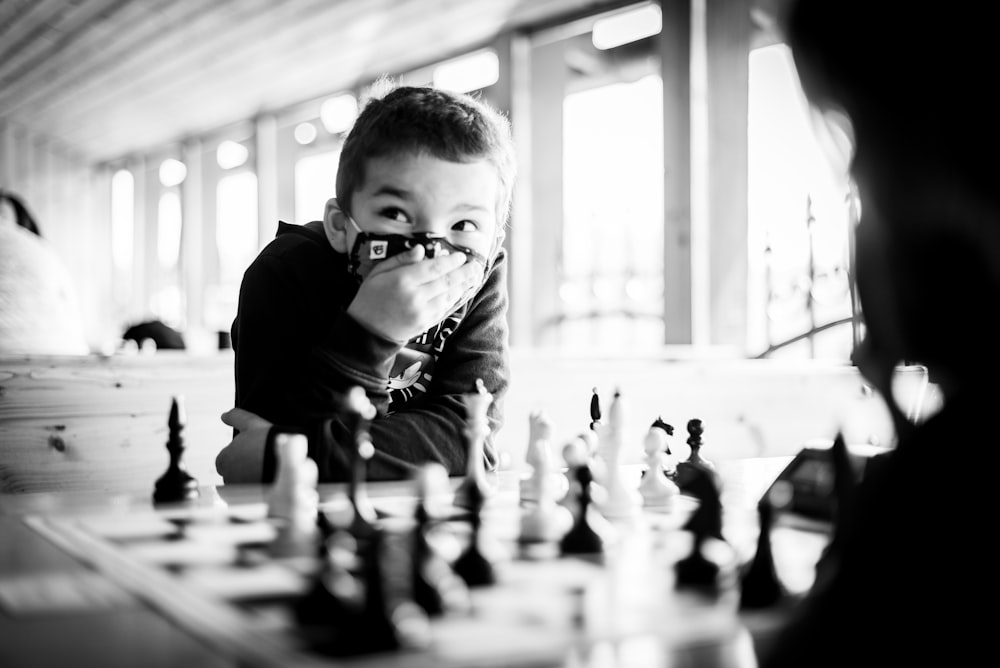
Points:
[686,469]
[293,500]
[621,500]
[760,586]
[711,565]
[176,484]
[358,412]
[845,482]
[695,430]
[595,410]
[543,518]
[539,458]
[360,605]
[658,491]
[669,461]
[583,537]
[475,564]
[703,485]
[477,428]
[436,587]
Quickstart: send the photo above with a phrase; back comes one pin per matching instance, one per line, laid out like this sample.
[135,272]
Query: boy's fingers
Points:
[242,419]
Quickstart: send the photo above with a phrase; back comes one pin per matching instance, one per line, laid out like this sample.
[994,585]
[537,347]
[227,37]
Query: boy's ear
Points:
[335,225]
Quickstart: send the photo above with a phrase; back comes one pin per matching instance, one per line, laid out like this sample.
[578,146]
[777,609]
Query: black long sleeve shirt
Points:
[297,351]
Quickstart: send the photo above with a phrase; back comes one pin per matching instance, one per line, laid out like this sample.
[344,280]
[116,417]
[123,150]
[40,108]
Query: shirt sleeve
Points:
[298,352]
[431,426]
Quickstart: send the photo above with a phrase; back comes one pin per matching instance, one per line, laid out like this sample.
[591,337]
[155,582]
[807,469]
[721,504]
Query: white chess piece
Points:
[658,492]
[293,499]
[622,500]
[544,520]
[541,460]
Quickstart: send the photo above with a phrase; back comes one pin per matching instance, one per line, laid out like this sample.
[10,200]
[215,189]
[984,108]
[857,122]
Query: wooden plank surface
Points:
[100,423]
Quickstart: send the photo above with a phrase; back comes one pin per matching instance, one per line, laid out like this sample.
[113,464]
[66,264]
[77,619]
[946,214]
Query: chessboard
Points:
[551,567]
[213,572]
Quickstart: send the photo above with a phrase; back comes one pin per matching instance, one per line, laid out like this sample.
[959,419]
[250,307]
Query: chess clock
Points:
[806,486]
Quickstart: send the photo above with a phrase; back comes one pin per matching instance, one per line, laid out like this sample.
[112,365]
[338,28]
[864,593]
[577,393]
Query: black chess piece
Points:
[703,484]
[845,482]
[582,538]
[176,485]
[708,571]
[686,469]
[436,587]
[358,412]
[697,570]
[473,565]
[760,586]
[370,610]
[595,410]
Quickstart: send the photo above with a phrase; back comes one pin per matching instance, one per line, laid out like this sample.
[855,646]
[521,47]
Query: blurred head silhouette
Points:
[910,84]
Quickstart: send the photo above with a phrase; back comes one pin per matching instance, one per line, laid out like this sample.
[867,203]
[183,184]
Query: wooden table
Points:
[118,622]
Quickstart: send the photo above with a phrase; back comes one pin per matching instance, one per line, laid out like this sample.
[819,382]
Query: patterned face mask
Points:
[370,249]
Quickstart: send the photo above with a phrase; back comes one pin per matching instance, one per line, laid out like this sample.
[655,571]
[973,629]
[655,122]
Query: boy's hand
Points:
[242,461]
[406,294]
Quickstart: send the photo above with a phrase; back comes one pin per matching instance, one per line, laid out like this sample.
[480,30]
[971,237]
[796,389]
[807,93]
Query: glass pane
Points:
[315,183]
[612,274]
[799,221]
[236,236]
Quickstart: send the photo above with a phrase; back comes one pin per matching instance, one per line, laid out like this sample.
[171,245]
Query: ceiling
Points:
[109,78]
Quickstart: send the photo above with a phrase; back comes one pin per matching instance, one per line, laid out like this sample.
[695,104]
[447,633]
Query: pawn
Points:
[176,484]
[686,470]
[695,430]
[760,586]
[583,538]
[658,491]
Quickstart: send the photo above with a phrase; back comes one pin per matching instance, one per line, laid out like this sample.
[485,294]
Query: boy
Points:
[401,289]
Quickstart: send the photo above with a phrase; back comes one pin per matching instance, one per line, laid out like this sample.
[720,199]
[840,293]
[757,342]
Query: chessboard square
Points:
[129,527]
[264,582]
[183,553]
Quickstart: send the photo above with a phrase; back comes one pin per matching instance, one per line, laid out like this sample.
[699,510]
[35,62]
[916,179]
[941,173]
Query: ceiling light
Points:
[469,73]
[231,154]
[628,26]
[338,113]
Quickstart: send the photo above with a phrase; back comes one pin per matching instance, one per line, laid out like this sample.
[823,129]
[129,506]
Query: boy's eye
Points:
[394,214]
[465,226]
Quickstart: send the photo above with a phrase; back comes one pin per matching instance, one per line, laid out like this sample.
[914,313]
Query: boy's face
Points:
[413,193]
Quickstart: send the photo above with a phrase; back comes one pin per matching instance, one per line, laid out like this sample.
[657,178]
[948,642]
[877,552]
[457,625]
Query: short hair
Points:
[451,126]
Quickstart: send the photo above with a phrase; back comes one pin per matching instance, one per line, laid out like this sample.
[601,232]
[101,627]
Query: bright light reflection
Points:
[469,73]
[305,133]
[627,27]
[338,113]
[172,172]
[231,154]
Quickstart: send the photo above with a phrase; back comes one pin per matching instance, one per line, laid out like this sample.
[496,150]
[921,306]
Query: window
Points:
[315,183]
[236,240]
[800,220]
